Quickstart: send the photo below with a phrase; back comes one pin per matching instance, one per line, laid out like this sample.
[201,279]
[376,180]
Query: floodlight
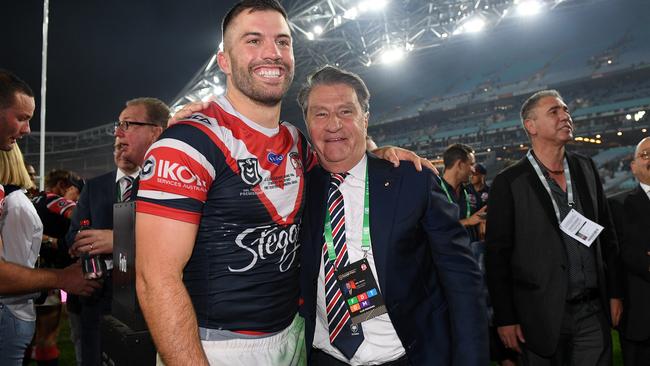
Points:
[529,7]
[476,24]
[310,36]
[628,117]
[644,130]
[318,30]
[598,136]
[351,13]
[444,35]
[392,55]
[619,133]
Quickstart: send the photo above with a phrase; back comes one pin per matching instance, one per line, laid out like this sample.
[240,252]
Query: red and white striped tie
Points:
[338,316]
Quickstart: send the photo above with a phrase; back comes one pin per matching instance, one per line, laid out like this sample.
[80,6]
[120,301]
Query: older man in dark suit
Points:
[551,288]
[631,213]
[139,125]
[387,276]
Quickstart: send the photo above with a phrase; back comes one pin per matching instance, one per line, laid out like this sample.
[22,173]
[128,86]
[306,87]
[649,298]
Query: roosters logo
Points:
[249,171]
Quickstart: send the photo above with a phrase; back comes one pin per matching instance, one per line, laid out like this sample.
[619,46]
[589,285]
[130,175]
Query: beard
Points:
[244,80]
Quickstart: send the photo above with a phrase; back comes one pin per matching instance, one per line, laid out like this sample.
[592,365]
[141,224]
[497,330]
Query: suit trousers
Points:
[635,353]
[585,339]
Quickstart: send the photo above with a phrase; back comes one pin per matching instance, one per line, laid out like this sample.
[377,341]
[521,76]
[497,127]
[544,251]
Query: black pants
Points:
[585,339]
[635,353]
[320,358]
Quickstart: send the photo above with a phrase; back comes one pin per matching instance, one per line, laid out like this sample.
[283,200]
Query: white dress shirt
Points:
[381,343]
[22,231]
[118,179]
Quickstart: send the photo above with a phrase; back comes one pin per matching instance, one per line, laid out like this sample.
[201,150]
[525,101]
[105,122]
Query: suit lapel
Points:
[542,194]
[318,185]
[384,189]
[639,200]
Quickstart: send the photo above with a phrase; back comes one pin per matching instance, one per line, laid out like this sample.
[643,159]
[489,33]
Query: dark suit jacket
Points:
[96,204]
[431,284]
[526,262]
[631,213]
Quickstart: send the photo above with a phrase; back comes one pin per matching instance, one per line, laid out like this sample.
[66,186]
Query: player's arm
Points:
[163,248]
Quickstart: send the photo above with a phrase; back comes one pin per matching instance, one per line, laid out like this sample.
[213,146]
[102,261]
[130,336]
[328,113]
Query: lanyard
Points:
[444,188]
[365,235]
[540,175]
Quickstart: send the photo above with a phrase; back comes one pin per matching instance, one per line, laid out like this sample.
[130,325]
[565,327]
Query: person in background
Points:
[33,191]
[22,231]
[554,294]
[631,212]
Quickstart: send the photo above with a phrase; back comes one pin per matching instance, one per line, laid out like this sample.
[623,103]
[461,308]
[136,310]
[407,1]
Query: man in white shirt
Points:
[16,109]
[387,275]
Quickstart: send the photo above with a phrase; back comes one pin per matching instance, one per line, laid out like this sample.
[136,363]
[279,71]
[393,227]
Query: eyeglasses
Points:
[645,155]
[124,125]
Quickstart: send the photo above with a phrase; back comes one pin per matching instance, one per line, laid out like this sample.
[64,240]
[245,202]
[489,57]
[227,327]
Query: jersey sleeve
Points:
[60,206]
[177,174]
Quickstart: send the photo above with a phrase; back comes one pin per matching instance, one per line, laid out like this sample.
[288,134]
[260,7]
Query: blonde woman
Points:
[21,231]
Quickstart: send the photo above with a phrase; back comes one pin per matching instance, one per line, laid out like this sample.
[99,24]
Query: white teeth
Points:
[269,73]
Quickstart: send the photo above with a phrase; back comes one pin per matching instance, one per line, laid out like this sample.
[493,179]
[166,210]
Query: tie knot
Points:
[127,179]
[337,178]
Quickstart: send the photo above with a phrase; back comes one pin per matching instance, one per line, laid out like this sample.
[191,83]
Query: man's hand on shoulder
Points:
[395,154]
[187,111]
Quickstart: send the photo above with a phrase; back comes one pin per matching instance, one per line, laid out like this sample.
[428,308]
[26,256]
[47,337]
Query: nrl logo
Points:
[249,171]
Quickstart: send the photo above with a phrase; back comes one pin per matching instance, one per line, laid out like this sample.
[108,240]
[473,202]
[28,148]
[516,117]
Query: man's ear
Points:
[529,125]
[224,62]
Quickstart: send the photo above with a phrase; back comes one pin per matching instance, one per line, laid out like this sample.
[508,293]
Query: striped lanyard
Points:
[540,175]
[444,188]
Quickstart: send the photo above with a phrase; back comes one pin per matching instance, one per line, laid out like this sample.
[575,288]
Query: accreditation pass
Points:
[580,228]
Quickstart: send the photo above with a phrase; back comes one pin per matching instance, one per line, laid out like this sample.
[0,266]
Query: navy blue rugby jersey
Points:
[244,186]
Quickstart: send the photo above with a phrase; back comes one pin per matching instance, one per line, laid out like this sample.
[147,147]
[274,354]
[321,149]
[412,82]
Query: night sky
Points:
[104,52]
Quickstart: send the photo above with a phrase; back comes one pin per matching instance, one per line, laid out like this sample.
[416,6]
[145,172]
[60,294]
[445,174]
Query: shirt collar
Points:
[646,188]
[121,174]
[357,175]
[228,108]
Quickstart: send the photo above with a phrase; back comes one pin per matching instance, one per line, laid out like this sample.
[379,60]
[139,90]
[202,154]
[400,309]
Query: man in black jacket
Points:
[631,213]
[549,286]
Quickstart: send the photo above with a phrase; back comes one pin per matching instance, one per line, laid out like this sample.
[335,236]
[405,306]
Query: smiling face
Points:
[258,57]
[337,125]
[550,122]
[14,121]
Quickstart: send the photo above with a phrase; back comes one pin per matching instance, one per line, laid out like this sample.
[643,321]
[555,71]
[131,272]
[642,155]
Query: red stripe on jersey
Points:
[168,212]
[178,173]
[59,205]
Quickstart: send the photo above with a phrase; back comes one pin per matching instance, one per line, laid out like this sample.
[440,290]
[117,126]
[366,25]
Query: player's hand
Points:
[186,111]
[476,218]
[616,307]
[72,281]
[92,242]
[511,335]
[395,154]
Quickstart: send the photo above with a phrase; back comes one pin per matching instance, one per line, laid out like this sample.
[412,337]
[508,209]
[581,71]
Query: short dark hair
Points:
[10,84]
[534,99]
[328,75]
[157,110]
[456,152]
[58,175]
[251,6]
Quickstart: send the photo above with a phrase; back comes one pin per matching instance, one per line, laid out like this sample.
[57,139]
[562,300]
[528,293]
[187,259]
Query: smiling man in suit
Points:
[631,213]
[550,290]
[387,276]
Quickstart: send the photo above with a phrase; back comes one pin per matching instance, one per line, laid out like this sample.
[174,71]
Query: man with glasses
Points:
[139,125]
[631,212]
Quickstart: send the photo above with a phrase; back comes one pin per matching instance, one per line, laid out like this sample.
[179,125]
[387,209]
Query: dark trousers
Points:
[320,358]
[585,339]
[635,353]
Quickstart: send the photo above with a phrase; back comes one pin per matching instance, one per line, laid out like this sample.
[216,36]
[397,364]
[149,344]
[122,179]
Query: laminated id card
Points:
[360,291]
[580,228]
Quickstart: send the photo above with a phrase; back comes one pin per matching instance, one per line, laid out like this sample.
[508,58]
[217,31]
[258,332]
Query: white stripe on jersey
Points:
[187,149]
[239,150]
[158,195]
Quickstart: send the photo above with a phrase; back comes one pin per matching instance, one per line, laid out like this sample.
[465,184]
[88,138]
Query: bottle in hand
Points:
[92,265]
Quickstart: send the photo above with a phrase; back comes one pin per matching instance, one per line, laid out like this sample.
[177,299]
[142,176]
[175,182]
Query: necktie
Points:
[338,316]
[127,188]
